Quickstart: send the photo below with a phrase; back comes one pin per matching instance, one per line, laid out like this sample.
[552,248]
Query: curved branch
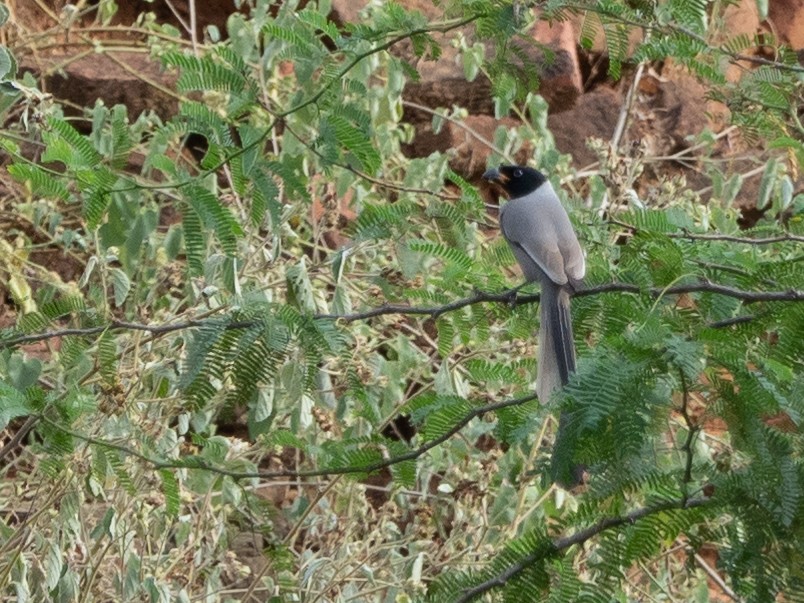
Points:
[196,463]
[278,117]
[560,544]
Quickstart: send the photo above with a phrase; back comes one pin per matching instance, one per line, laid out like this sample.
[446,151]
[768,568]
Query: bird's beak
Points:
[495,175]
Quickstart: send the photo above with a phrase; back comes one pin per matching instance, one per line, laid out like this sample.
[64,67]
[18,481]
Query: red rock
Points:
[564,75]
[786,18]
[595,115]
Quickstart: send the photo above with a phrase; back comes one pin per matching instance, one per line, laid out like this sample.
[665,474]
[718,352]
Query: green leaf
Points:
[214,216]
[107,357]
[768,183]
[82,152]
[106,527]
[101,183]
[589,30]
[42,182]
[193,240]
[170,488]
[121,285]
[8,66]
[451,254]
[13,404]
[357,143]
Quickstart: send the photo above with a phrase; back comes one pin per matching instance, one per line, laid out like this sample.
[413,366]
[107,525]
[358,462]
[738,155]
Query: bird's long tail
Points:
[556,362]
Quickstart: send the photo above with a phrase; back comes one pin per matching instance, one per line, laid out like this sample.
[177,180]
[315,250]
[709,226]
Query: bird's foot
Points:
[512,295]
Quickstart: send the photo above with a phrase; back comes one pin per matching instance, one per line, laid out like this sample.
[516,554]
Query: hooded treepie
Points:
[541,236]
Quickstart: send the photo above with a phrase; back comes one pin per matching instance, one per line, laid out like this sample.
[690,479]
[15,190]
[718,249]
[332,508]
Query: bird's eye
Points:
[517,173]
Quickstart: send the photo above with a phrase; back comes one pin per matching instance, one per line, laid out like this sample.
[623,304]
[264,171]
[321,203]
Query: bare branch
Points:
[463,125]
[705,286]
[23,431]
[558,545]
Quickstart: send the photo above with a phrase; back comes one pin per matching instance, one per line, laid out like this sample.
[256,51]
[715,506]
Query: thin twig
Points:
[442,28]
[180,19]
[749,174]
[193,26]
[716,578]
[461,124]
[787,237]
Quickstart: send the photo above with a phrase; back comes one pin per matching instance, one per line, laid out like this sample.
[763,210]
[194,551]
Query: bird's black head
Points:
[516,180]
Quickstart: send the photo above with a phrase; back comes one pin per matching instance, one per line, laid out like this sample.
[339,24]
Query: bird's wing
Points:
[574,262]
[534,240]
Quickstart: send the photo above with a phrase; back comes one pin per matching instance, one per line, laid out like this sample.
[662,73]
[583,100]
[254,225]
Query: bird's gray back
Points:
[542,237]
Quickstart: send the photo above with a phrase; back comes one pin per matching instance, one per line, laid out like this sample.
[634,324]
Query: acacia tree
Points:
[402,352]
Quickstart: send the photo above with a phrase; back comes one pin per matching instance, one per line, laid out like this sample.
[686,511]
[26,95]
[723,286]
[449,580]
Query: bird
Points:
[540,234]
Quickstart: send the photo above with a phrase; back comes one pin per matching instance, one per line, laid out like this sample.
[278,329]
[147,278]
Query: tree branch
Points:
[558,545]
[728,322]
[510,296]
[115,325]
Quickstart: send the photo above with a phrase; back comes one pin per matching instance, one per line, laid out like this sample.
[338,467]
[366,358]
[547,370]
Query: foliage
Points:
[221,369]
